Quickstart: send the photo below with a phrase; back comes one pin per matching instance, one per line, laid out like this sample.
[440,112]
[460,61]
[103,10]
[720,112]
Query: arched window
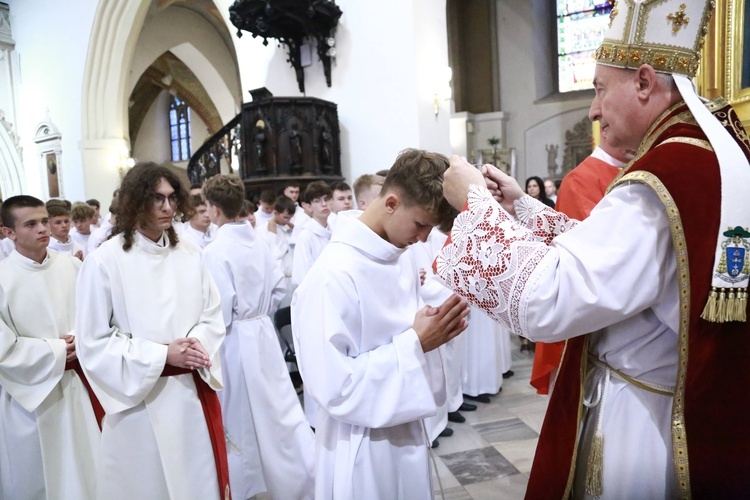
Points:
[581,25]
[179,129]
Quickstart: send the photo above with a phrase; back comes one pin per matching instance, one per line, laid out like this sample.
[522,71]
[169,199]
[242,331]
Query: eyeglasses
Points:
[159,199]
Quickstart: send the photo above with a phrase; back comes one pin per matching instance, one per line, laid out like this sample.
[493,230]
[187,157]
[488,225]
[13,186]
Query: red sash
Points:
[95,404]
[212,412]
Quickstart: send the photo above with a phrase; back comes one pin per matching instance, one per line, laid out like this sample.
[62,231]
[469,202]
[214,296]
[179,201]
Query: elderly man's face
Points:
[617,107]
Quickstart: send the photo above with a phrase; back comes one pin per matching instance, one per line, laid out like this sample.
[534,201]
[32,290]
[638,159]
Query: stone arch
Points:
[12,180]
[105,143]
[117,24]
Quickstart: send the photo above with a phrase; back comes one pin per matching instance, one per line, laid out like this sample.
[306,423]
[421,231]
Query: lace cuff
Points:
[490,260]
[541,220]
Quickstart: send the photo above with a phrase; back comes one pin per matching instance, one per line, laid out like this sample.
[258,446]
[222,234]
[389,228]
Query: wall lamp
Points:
[443,90]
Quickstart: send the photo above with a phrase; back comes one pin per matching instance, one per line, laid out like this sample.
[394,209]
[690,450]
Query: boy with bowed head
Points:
[366,345]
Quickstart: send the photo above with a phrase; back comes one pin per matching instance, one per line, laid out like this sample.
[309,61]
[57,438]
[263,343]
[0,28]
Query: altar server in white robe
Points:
[316,233]
[59,228]
[149,332]
[277,235]
[199,230]
[264,422]
[49,435]
[485,353]
[6,247]
[434,292]
[366,346]
[83,217]
[312,239]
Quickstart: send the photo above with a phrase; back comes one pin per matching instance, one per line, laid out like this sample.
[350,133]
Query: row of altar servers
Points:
[268,450]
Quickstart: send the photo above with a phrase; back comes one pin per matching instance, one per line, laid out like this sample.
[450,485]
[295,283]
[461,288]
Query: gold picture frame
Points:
[723,55]
[504,159]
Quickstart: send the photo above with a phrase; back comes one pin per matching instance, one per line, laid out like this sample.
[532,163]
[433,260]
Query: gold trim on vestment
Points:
[584,369]
[701,143]
[651,135]
[679,437]
[641,384]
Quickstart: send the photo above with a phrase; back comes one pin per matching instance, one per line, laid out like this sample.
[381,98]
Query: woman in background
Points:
[535,189]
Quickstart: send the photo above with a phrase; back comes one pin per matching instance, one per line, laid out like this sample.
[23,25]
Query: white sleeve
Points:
[278,284]
[29,367]
[302,258]
[222,276]
[210,330]
[615,264]
[389,385]
[121,368]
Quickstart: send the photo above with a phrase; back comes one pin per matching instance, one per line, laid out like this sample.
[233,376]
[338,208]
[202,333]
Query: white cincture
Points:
[595,465]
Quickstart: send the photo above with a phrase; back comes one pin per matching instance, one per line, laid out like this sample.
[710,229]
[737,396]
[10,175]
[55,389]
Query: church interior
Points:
[90,88]
[492,80]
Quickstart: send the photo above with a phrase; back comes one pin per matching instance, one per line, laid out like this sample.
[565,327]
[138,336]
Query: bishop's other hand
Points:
[504,188]
[460,175]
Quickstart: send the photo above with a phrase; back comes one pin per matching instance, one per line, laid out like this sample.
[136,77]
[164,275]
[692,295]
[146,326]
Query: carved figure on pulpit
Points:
[326,148]
[196,172]
[552,159]
[295,150]
[259,140]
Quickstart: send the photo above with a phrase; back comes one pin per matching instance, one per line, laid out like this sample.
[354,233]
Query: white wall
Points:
[531,124]
[51,41]
[388,52]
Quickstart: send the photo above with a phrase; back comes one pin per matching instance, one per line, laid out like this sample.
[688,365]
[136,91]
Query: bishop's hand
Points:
[504,188]
[437,325]
[457,179]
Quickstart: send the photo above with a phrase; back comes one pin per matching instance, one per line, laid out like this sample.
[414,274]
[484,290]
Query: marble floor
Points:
[489,456]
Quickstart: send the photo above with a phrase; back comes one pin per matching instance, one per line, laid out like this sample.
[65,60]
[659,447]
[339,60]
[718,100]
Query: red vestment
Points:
[579,193]
[710,432]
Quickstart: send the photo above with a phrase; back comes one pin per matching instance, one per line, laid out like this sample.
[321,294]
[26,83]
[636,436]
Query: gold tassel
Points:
[721,306]
[730,313]
[709,312]
[595,467]
[742,305]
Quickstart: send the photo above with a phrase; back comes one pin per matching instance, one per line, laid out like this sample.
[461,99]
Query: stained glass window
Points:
[581,25]
[179,129]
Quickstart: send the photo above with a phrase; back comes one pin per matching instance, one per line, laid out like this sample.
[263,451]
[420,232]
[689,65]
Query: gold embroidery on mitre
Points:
[679,19]
[637,45]
[613,14]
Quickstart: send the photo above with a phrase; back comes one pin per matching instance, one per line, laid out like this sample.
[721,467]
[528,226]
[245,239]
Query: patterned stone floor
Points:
[489,456]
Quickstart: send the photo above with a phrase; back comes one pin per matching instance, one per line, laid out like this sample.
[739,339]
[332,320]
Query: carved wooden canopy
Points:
[291,22]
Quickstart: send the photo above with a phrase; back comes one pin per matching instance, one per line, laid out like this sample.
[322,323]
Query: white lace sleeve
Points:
[491,259]
[541,220]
